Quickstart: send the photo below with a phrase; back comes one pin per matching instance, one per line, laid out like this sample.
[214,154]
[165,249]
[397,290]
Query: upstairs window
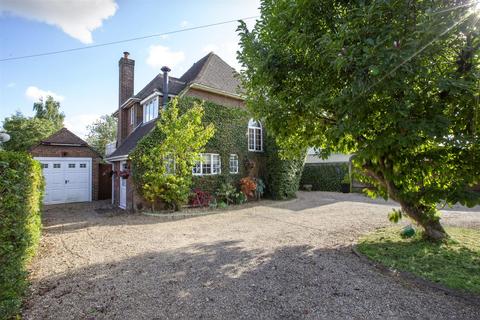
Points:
[255,136]
[132,115]
[209,164]
[150,110]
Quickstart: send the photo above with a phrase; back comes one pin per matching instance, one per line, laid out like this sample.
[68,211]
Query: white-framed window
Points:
[233,163]
[210,163]
[255,136]
[170,167]
[150,110]
[132,115]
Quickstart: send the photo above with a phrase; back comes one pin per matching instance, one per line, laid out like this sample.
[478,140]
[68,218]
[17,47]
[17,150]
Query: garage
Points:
[67,180]
[70,168]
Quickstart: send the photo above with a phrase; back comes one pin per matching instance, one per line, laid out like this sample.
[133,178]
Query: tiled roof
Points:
[210,71]
[175,86]
[213,72]
[64,136]
[129,144]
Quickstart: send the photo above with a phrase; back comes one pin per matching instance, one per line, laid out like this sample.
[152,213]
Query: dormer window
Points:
[150,109]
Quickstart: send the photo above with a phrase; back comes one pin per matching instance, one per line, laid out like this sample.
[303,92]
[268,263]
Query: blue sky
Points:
[86,81]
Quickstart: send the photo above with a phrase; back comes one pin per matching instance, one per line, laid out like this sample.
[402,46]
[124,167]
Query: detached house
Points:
[210,79]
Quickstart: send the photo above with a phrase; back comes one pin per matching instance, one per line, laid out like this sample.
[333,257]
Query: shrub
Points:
[226,193]
[325,176]
[248,186]
[283,175]
[21,192]
[200,198]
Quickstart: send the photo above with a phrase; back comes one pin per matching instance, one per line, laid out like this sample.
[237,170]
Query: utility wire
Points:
[125,40]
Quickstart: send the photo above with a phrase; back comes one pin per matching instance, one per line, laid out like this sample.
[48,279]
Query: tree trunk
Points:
[433,230]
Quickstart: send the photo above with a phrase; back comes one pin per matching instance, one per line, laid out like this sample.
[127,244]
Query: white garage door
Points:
[67,179]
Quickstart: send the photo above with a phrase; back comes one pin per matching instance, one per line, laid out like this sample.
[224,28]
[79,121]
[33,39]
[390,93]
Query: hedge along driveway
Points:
[21,190]
[273,260]
[324,176]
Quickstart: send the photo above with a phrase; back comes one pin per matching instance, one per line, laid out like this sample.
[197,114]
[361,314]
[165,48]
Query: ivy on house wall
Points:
[231,125]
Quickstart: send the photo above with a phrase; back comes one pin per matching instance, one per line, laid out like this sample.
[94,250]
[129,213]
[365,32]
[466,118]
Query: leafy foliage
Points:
[395,82]
[325,176]
[26,132]
[283,175]
[102,132]
[226,193]
[49,110]
[230,138]
[21,192]
[200,198]
[162,161]
[248,186]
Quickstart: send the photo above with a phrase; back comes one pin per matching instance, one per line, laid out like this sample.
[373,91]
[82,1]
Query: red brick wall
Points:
[71,152]
[216,98]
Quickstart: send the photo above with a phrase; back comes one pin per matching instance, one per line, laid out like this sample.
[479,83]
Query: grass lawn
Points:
[455,264]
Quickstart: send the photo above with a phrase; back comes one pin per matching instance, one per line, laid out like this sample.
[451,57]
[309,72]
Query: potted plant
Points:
[345,184]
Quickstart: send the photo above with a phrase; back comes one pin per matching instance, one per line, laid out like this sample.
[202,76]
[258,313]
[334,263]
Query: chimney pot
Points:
[126,54]
[165,71]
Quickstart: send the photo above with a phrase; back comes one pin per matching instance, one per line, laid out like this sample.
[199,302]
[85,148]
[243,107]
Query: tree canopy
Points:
[394,82]
[102,132]
[25,132]
[49,110]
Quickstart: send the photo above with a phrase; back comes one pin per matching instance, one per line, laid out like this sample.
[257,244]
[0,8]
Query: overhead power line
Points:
[125,40]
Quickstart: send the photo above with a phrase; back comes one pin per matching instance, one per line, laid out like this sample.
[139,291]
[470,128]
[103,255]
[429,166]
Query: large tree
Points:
[102,132]
[49,110]
[25,132]
[395,82]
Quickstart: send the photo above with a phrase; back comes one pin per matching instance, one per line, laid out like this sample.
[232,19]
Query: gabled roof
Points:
[210,71]
[131,141]
[213,72]
[174,86]
[64,137]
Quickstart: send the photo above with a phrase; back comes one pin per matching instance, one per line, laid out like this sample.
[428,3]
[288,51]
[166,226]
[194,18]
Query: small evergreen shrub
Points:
[21,192]
[324,176]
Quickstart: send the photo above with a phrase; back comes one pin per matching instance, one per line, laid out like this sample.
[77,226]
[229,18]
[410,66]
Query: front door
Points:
[123,186]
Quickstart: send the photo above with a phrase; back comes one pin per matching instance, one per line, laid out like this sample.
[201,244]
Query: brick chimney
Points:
[125,80]
[165,71]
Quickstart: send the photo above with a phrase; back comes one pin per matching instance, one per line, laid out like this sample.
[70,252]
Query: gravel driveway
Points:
[271,260]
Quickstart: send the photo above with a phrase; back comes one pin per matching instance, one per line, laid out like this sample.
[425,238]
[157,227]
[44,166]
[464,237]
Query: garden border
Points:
[416,280]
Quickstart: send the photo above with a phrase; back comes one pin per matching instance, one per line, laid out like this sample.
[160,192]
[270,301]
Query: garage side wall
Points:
[71,152]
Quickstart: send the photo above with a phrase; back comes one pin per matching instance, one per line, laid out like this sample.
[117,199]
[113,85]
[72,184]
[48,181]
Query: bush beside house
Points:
[21,192]
[324,176]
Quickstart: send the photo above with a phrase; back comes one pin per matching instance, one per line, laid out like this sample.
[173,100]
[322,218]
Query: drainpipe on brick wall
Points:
[165,71]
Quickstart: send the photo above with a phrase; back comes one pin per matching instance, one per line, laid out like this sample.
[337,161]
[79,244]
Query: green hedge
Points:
[324,176]
[21,192]
[283,176]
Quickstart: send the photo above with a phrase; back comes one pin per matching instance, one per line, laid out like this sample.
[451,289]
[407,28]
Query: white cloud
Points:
[35,94]
[11,85]
[184,23]
[76,18]
[159,56]
[78,123]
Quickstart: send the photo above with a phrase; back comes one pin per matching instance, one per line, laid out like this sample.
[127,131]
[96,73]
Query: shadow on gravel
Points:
[224,280]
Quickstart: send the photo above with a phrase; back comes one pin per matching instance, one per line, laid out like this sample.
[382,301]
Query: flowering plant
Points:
[248,186]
